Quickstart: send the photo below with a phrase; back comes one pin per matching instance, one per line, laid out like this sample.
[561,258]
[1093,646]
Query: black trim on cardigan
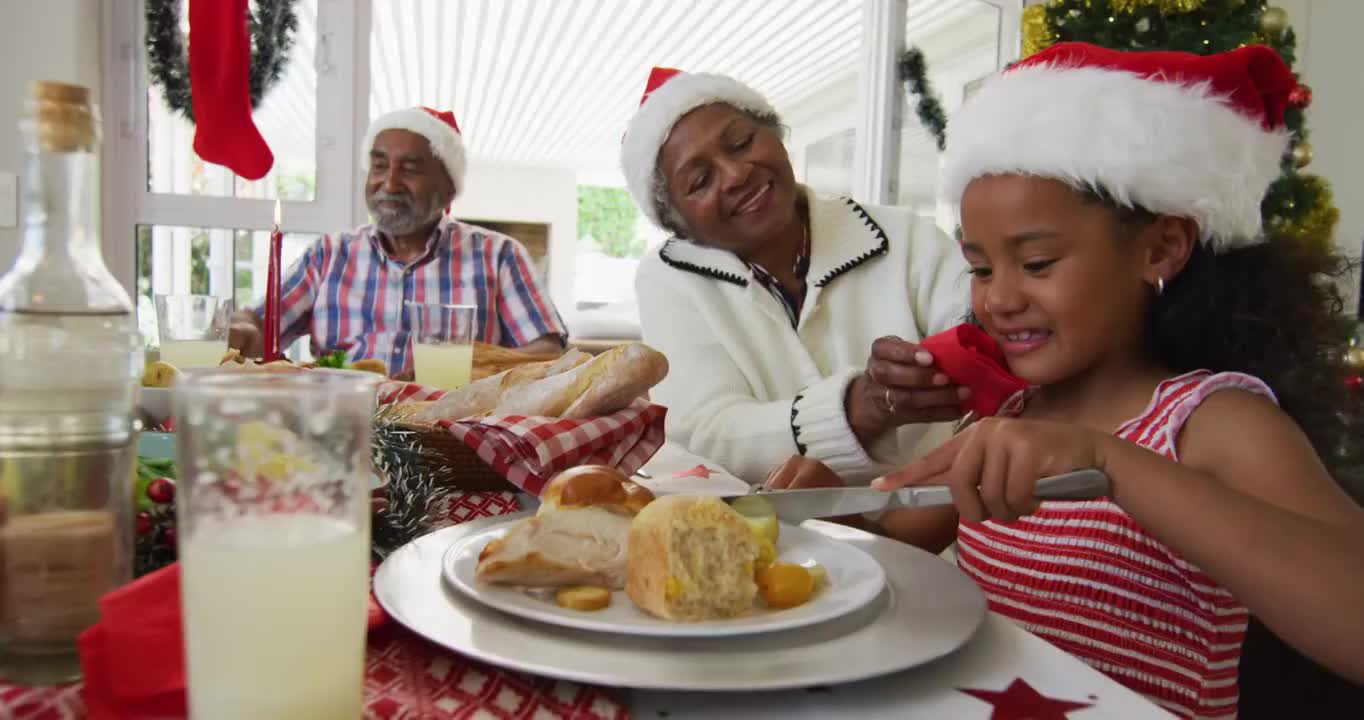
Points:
[795,431]
[879,250]
[699,270]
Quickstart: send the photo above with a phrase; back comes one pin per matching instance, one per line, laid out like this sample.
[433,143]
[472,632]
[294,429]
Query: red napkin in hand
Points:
[970,357]
[133,661]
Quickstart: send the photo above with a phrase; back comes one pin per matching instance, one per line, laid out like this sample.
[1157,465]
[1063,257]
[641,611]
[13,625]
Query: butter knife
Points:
[796,506]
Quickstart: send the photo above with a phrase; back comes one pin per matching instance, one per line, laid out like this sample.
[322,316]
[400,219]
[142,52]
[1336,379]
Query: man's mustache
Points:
[403,198]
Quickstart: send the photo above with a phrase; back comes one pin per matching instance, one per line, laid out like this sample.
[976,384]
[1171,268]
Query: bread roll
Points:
[594,485]
[578,537]
[582,546]
[691,558]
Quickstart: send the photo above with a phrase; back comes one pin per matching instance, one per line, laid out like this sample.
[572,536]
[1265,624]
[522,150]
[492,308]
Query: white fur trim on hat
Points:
[654,121]
[446,144]
[1170,148]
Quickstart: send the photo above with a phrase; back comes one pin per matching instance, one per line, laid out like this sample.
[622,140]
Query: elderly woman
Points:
[789,320]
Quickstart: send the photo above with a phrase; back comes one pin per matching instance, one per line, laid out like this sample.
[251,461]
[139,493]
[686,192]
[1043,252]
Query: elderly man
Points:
[350,292]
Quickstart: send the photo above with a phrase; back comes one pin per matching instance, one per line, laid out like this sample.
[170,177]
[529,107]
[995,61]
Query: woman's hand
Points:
[900,386]
[802,472]
[993,466]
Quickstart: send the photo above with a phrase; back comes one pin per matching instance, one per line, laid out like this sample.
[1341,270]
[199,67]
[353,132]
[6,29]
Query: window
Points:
[961,42]
[542,92]
[195,227]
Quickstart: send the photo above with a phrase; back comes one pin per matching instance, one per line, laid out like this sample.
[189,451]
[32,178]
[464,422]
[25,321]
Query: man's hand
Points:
[544,345]
[246,335]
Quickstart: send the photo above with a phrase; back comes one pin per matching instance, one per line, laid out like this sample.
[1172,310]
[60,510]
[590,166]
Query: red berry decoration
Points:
[1300,97]
[1353,382]
[161,490]
[144,523]
[168,536]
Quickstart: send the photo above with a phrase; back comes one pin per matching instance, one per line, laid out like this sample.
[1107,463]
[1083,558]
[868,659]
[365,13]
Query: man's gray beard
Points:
[404,220]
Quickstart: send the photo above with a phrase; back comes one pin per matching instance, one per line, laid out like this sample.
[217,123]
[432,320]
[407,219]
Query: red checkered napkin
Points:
[528,451]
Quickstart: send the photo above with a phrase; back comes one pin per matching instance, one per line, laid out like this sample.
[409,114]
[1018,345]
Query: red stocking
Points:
[220,86]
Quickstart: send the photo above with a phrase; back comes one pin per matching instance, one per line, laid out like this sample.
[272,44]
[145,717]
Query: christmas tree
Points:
[1298,205]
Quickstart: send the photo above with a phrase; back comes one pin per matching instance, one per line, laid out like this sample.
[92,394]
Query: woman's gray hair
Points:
[666,212]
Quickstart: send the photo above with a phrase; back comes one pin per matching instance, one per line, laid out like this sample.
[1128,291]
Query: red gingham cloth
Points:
[406,677]
[528,451]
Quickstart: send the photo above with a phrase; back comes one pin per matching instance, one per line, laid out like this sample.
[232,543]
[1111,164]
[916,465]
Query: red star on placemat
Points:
[1020,701]
[700,471]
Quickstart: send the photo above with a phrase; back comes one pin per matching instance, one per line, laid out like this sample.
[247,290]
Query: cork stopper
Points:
[63,116]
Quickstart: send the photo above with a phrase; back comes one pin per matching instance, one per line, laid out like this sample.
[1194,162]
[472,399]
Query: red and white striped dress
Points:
[1086,577]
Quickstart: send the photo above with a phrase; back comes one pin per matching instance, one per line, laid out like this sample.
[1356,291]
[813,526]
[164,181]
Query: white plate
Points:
[927,610]
[854,580]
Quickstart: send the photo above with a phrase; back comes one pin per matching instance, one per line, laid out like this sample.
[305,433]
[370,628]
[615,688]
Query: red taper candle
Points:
[272,309]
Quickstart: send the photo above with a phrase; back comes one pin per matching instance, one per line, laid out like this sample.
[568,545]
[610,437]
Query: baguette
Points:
[606,384]
[481,396]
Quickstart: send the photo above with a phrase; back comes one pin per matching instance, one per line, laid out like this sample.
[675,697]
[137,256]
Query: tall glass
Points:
[442,343]
[193,329]
[274,542]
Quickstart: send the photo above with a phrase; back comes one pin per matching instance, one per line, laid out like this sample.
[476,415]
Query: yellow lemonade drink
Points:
[193,353]
[446,366]
[274,617]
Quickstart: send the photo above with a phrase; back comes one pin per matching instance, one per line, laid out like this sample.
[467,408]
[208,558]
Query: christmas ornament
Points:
[220,88]
[1301,97]
[1020,701]
[1354,382]
[144,523]
[161,490]
[1317,223]
[1274,20]
[1302,155]
[1354,357]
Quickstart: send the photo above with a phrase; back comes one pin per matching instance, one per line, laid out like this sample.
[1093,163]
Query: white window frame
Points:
[882,95]
[342,113]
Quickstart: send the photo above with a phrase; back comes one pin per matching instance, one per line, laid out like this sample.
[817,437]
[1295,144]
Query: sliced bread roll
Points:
[691,558]
[585,546]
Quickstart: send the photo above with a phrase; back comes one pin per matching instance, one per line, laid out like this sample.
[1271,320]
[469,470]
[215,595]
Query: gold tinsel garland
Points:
[1316,227]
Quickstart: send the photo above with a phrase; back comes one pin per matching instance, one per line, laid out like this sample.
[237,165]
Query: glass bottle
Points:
[70,363]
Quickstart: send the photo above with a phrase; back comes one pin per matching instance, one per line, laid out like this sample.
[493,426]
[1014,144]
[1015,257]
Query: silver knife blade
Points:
[796,506]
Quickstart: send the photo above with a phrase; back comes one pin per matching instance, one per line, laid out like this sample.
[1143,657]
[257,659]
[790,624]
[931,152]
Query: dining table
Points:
[1001,672]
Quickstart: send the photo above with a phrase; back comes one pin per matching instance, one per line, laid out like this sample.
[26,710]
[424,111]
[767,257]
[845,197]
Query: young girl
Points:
[1110,213]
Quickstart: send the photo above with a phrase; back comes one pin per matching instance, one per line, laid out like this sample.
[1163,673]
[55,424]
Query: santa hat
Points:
[1172,132]
[437,126]
[668,95]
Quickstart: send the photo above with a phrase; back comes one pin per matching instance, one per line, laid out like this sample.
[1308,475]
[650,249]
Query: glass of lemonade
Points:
[273,524]
[193,329]
[442,343]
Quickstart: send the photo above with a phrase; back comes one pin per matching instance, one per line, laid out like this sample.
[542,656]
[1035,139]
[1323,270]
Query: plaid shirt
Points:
[346,293]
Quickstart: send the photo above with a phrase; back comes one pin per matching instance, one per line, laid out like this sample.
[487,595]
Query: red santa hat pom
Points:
[437,126]
[668,95]
[1172,132]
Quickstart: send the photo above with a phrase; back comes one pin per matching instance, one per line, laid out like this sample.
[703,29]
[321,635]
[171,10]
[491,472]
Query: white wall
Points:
[43,40]
[529,194]
[1329,58]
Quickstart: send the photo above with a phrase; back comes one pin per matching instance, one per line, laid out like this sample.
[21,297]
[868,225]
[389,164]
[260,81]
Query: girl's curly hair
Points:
[1273,310]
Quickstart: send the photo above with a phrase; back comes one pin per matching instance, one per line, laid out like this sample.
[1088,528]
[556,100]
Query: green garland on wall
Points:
[914,71]
[272,27]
